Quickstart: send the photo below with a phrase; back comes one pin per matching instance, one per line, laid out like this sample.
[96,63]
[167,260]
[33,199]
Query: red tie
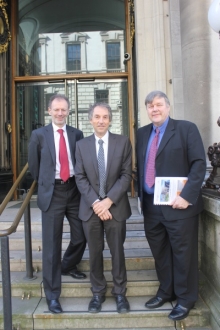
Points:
[150,167]
[63,157]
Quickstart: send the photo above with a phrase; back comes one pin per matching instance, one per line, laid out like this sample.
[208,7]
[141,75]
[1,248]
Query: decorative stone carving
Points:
[213,180]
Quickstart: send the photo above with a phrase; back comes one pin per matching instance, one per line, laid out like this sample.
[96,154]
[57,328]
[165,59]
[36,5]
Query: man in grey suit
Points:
[57,197]
[103,176]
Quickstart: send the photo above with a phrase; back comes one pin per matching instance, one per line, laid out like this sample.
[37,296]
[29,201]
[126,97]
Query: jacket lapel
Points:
[169,132]
[72,142]
[111,149]
[92,152]
[146,137]
[50,141]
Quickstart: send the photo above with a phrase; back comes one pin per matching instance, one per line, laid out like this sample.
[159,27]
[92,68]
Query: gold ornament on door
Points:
[5,35]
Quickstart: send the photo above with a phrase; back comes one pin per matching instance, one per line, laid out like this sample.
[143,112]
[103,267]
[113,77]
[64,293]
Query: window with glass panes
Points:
[101,95]
[73,57]
[113,55]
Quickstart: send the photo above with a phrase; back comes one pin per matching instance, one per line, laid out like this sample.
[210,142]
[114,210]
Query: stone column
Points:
[104,37]
[176,60]
[150,50]
[64,40]
[42,42]
[82,40]
[201,69]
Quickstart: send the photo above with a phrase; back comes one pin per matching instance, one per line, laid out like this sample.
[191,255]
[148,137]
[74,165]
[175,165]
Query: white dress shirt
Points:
[105,146]
[57,149]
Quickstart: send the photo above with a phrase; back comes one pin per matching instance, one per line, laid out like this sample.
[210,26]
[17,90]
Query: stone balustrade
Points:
[209,250]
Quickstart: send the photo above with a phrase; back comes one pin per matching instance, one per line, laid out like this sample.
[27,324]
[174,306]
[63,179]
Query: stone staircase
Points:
[28,300]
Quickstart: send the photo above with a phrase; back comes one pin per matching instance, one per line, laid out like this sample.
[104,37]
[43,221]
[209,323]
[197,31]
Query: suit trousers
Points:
[65,202]
[115,232]
[174,245]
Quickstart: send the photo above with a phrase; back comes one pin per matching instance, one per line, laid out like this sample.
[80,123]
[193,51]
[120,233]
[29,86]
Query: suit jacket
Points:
[118,175]
[180,153]
[42,160]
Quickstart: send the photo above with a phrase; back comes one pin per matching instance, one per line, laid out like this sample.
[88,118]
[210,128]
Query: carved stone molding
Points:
[5,35]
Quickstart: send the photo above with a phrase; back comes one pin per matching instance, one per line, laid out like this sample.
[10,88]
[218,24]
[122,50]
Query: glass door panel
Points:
[32,109]
[113,92]
[32,104]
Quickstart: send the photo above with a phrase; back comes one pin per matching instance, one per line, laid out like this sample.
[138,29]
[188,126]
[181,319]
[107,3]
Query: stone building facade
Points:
[171,48]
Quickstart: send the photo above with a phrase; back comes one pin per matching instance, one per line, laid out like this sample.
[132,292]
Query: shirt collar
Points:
[55,127]
[104,138]
[162,127]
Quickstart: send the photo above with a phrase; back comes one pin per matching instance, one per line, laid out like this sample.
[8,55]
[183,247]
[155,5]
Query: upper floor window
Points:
[101,95]
[113,55]
[73,57]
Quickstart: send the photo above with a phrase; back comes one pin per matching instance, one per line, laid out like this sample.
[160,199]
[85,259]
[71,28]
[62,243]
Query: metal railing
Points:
[5,255]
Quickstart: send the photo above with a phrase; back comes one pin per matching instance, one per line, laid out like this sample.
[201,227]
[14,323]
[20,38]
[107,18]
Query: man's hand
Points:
[106,216]
[179,203]
[102,208]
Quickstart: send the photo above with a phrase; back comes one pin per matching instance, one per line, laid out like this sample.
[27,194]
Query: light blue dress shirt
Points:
[162,129]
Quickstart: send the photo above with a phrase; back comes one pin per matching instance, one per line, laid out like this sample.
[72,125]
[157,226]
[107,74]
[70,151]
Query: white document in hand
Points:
[166,189]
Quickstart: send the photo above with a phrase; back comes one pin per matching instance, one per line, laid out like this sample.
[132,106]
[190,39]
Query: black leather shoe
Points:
[122,304]
[95,304]
[179,313]
[75,274]
[156,302]
[54,306]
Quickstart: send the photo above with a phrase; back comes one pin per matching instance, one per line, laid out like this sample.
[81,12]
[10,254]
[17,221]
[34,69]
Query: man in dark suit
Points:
[171,230]
[103,176]
[58,196]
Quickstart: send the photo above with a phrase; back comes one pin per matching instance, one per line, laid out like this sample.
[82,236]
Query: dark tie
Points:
[63,157]
[101,166]
[150,167]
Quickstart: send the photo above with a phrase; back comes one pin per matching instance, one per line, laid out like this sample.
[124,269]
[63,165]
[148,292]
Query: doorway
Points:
[33,98]
[77,51]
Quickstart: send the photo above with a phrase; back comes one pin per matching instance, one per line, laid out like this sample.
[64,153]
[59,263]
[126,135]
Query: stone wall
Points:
[209,246]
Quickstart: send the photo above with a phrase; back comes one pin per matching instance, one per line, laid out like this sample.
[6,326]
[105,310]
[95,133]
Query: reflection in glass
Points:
[113,92]
[73,57]
[113,55]
[33,99]
[32,104]
[56,53]
[88,37]
[101,95]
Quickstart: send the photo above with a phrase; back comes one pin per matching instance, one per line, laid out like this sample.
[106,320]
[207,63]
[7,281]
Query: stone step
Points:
[135,222]
[140,283]
[33,314]
[136,259]
[37,228]
[180,326]
[134,240]
[29,305]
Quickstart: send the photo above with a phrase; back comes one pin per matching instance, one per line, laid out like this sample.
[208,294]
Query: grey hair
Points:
[151,96]
[58,97]
[102,105]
